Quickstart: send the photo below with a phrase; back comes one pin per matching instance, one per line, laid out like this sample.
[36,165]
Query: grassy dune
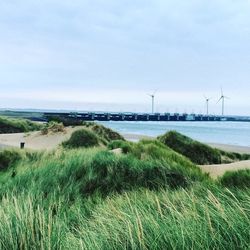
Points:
[198,152]
[12,125]
[148,197]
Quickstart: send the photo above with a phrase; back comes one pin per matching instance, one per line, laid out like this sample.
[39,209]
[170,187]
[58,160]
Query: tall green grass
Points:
[236,179]
[197,218]
[149,197]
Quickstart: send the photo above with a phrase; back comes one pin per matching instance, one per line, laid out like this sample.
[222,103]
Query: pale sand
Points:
[35,140]
[231,148]
[218,170]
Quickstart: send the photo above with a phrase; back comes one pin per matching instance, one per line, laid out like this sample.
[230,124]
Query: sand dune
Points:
[35,140]
[218,170]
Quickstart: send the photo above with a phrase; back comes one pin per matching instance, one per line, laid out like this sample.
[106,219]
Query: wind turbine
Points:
[222,99]
[153,100]
[207,102]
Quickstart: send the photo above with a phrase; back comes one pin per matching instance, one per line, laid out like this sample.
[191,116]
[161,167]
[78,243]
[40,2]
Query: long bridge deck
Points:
[116,116]
[99,116]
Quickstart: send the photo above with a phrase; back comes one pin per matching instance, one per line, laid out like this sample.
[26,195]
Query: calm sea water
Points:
[234,133]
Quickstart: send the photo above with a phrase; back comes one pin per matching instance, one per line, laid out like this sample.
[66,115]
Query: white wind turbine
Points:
[207,102]
[222,99]
[153,100]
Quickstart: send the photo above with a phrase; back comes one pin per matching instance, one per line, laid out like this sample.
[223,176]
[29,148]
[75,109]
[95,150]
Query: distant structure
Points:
[207,103]
[153,101]
[222,99]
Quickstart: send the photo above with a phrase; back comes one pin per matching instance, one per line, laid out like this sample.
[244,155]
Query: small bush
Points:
[82,138]
[8,158]
[237,179]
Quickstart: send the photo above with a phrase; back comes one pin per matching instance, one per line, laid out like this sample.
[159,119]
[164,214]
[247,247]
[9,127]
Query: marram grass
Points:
[94,199]
[198,218]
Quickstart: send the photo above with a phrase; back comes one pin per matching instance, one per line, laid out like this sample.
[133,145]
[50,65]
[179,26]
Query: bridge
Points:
[112,116]
[117,116]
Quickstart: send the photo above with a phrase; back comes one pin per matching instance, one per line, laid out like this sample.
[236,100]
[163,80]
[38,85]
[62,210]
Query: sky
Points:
[109,55]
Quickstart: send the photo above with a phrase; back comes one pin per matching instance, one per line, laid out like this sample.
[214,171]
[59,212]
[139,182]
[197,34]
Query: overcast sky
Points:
[108,54]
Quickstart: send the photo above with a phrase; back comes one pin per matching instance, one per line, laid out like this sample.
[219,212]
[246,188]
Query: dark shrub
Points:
[197,152]
[82,138]
[237,179]
[8,158]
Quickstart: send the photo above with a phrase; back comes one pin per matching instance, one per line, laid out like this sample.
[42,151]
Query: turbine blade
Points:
[219,99]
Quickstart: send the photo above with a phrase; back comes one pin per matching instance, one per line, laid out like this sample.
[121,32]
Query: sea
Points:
[232,133]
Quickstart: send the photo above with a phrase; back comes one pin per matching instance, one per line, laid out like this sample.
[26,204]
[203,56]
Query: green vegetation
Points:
[125,146]
[8,158]
[155,150]
[91,135]
[106,133]
[82,196]
[82,138]
[236,179]
[11,125]
[52,127]
[198,152]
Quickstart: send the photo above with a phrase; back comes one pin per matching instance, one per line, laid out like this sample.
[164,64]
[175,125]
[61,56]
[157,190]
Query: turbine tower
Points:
[222,99]
[153,100]
[207,102]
